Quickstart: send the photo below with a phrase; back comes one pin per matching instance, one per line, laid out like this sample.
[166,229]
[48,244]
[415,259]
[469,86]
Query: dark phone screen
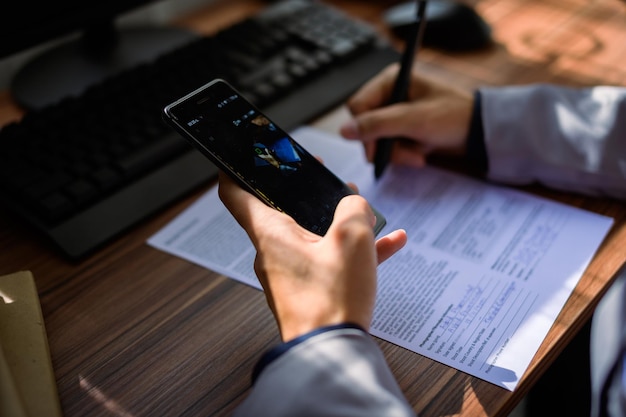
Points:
[262,155]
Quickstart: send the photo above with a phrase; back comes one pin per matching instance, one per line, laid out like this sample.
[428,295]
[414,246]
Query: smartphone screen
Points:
[263,158]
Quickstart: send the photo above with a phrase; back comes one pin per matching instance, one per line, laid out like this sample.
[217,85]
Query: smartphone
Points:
[240,140]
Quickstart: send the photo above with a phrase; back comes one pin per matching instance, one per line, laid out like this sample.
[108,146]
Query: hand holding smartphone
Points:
[240,140]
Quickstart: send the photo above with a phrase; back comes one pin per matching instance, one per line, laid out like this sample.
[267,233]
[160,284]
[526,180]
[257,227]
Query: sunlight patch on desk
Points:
[100,397]
[579,43]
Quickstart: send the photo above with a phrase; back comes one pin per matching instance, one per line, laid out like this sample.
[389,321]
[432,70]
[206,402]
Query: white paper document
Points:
[480,282]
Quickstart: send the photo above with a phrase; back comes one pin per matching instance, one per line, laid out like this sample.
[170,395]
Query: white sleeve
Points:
[337,373]
[566,138]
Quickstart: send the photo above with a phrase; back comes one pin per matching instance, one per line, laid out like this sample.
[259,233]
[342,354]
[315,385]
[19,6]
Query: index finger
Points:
[375,92]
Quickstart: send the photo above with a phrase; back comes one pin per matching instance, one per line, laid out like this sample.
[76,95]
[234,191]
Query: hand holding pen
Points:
[400,90]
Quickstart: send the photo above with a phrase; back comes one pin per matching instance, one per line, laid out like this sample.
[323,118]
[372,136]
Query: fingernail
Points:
[350,129]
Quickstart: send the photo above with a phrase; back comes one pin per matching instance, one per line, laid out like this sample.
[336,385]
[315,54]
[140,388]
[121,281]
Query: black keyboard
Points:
[86,169]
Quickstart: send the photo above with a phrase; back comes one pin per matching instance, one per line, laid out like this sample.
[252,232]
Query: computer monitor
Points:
[92,45]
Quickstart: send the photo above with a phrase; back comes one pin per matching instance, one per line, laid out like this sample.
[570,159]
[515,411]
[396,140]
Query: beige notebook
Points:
[27,384]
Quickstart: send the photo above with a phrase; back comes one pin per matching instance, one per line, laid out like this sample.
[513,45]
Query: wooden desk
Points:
[137,332]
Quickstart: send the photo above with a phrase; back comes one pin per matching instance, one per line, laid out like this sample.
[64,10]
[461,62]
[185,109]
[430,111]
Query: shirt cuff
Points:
[476,153]
[277,351]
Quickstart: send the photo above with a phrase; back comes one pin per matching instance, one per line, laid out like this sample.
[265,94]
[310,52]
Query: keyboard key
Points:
[106,178]
[81,190]
[151,155]
[54,206]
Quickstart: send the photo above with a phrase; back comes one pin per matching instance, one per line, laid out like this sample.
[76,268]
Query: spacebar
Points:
[97,225]
[152,154]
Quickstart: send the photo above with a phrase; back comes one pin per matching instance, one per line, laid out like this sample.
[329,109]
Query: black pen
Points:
[401,87]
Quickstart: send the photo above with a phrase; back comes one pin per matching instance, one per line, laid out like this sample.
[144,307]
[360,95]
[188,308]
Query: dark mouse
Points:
[450,25]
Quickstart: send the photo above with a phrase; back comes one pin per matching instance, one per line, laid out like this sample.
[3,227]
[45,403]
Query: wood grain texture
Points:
[137,332]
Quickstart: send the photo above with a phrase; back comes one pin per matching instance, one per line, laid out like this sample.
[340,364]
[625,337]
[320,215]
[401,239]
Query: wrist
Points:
[293,329]
[281,349]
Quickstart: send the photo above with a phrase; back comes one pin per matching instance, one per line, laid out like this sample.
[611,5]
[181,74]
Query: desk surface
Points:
[135,331]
